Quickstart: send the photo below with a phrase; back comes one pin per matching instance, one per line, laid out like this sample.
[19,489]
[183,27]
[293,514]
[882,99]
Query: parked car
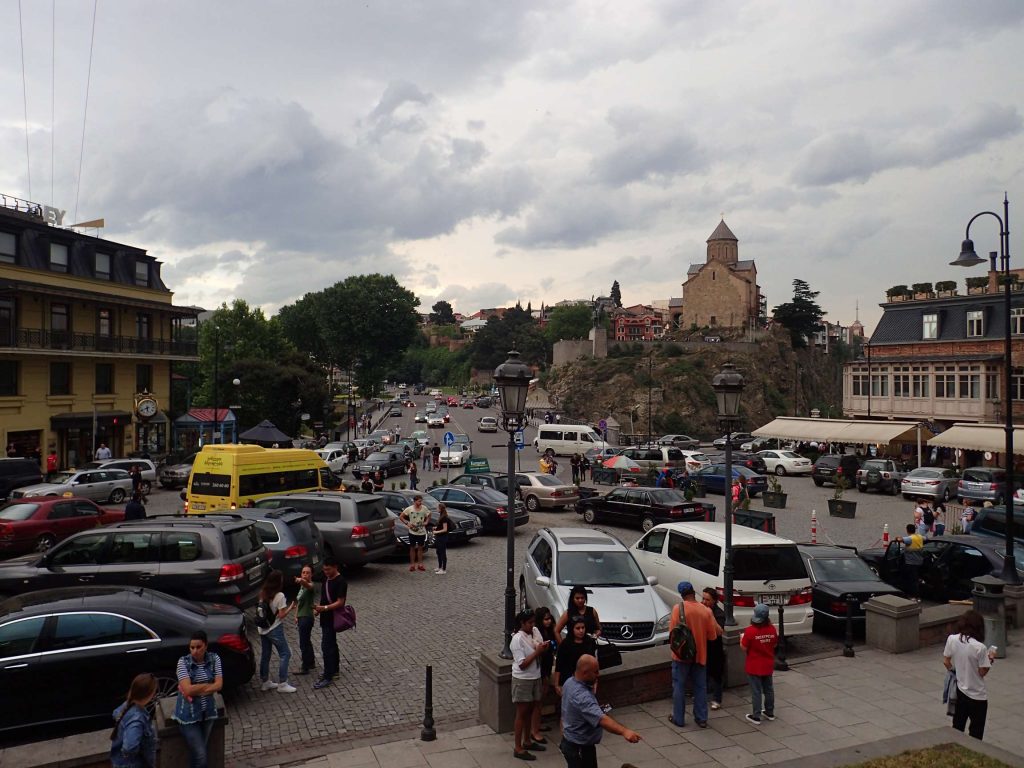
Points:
[632,613]
[643,507]
[696,460]
[736,438]
[938,483]
[487,424]
[335,458]
[292,540]
[830,466]
[767,569]
[748,460]
[496,480]
[539,490]
[15,473]
[596,456]
[463,527]
[655,457]
[106,485]
[68,655]
[175,476]
[713,479]
[836,572]
[147,467]
[215,558]
[486,503]
[390,462]
[455,455]
[355,527]
[785,463]
[680,441]
[882,475]
[943,569]
[36,524]
[983,484]
[757,444]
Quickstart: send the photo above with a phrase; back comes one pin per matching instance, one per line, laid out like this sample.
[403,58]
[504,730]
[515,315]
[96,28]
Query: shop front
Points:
[79,434]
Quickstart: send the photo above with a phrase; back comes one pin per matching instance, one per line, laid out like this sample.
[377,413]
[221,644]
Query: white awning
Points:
[980,437]
[882,432]
[841,430]
[797,428]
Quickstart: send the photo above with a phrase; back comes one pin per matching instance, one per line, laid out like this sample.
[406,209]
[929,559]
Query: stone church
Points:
[723,291]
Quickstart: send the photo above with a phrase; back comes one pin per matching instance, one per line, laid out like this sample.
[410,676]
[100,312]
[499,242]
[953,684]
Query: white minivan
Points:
[567,439]
[766,569]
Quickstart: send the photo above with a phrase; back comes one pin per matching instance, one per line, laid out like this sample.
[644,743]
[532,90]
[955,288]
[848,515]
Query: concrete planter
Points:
[774,500]
[842,508]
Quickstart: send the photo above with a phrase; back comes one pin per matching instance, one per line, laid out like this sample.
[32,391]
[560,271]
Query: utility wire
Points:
[24,100]
[53,85]
[85,111]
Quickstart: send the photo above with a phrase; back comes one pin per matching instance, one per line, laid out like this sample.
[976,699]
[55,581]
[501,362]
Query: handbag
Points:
[608,655]
[344,617]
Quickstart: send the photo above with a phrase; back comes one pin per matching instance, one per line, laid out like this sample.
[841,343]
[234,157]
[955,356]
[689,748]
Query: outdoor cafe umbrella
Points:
[622,464]
[265,433]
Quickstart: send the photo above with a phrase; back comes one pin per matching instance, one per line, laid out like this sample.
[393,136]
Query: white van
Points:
[567,439]
[767,569]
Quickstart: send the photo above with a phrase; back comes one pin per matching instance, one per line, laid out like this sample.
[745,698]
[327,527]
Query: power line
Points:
[53,85]
[85,111]
[24,100]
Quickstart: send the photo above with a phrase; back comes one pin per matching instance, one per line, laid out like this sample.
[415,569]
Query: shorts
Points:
[417,541]
[525,691]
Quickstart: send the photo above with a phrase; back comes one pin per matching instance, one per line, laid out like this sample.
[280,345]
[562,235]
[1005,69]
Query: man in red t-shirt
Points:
[759,641]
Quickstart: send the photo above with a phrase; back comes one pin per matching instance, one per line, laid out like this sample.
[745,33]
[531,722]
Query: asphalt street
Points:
[409,620]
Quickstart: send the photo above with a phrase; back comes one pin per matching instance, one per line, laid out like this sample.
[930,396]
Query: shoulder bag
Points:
[344,617]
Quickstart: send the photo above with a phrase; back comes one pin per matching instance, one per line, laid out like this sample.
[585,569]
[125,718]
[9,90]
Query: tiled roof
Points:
[675,302]
[722,232]
[743,266]
[902,321]
[694,269]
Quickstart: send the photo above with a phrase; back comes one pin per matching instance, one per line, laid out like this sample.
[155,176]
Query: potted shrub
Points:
[774,497]
[898,293]
[923,291]
[977,285]
[1014,281]
[837,505]
[946,287]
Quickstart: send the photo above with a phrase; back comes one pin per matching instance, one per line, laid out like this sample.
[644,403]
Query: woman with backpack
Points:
[133,741]
[270,610]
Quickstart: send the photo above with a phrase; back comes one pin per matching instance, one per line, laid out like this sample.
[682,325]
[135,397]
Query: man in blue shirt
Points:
[583,719]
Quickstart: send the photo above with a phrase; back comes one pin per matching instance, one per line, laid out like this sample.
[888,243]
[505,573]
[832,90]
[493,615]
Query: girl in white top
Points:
[966,655]
[272,638]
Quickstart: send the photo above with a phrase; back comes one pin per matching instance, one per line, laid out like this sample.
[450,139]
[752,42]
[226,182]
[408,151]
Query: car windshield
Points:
[18,511]
[982,476]
[876,464]
[490,496]
[599,569]
[698,457]
[841,569]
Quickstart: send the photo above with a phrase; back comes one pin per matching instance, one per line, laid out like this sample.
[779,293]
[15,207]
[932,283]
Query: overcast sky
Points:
[485,152]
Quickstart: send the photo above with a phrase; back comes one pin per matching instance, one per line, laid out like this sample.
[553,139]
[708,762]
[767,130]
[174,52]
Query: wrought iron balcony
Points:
[39,338]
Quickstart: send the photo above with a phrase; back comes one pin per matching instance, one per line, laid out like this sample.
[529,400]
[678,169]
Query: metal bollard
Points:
[780,650]
[428,733]
[848,648]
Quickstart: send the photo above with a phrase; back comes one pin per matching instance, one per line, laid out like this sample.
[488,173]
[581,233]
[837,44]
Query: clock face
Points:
[147,407]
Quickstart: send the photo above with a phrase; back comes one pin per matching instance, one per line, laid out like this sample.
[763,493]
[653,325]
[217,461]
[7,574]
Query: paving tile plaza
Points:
[874,700]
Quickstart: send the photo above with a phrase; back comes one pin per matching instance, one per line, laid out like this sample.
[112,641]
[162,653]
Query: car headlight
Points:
[663,622]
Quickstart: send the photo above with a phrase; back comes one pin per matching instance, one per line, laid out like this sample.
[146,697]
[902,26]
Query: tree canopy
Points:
[442,313]
[569,322]
[616,294]
[515,330]
[801,316]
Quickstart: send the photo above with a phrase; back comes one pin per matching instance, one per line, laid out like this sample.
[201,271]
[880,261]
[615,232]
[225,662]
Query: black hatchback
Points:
[69,655]
[838,573]
[292,540]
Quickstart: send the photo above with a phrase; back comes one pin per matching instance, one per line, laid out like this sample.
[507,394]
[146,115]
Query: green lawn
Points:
[940,756]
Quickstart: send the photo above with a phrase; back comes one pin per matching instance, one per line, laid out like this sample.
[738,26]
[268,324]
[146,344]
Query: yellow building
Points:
[88,333]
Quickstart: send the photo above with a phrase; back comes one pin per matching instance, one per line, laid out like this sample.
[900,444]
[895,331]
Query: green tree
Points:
[442,314]
[801,316]
[569,322]
[280,389]
[515,330]
[616,294]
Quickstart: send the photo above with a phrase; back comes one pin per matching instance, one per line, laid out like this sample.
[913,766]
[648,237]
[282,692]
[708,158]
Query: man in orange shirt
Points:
[702,624]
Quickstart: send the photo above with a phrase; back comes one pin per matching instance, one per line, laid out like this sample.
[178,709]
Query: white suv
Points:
[767,569]
[558,559]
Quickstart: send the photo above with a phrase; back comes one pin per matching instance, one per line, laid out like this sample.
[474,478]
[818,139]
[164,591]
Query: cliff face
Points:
[779,381]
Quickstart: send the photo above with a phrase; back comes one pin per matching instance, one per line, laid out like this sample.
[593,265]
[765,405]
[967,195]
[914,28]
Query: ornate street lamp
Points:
[968,258]
[512,378]
[728,387]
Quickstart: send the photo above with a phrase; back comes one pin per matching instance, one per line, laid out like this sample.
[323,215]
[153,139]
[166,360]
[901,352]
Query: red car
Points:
[452,401]
[35,524]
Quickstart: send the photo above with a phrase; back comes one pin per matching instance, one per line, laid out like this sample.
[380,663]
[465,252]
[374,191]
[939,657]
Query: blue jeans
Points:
[274,639]
[196,736]
[683,671]
[306,642]
[762,684]
[412,481]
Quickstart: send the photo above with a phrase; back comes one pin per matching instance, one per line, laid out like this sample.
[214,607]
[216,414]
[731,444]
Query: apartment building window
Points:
[143,326]
[970,382]
[58,257]
[7,322]
[143,378]
[8,248]
[60,378]
[945,381]
[142,273]
[60,323]
[101,266]
[1017,320]
[919,382]
[930,326]
[1017,383]
[8,378]
[901,381]
[975,323]
[104,378]
[991,386]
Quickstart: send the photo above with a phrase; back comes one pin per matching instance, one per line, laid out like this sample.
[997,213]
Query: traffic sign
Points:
[520,438]
[603,425]
[449,438]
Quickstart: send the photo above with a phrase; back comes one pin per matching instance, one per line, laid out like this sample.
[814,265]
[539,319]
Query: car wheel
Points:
[165,686]
[647,523]
[862,488]
[117,496]
[45,541]
[588,516]
[145,487]
[818,482]
[894,490]
[532,503]
[780,470]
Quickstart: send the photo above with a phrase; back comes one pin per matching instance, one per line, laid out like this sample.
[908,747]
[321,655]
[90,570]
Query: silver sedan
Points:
[100,485]
[934,482]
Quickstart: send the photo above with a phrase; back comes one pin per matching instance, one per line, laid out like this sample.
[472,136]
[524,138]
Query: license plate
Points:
[773,599]
[199,506]
[254,573]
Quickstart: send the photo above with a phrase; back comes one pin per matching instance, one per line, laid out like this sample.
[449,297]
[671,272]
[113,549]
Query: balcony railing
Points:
[39,338]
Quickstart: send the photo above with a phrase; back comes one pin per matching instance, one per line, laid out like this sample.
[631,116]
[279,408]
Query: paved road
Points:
[408,620]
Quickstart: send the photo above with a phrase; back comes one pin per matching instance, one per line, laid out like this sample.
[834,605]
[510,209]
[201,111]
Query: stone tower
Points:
[723,245]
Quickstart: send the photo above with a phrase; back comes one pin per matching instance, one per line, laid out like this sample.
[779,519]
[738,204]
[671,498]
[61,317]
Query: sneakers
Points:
[285,688]
[751,719]
[715,705]
[767,716]
[524,755]
[439,571]
[323,682]
[268,686]
[420,568]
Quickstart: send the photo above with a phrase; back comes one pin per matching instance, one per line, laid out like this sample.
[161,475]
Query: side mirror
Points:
[543,581]
[652,581]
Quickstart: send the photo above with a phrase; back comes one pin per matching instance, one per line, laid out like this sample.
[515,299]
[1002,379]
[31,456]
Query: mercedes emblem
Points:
[627,632]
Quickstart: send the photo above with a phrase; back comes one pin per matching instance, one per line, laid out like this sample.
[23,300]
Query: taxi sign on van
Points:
[476,466]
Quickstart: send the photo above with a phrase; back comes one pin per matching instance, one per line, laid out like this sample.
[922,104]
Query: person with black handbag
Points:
[333,596]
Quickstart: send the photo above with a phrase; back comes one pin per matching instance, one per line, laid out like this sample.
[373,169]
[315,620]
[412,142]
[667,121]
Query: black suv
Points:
[826,468]
[644,508]
[211,558]
[388,462]
[291,539]
[14,473]
[486,503]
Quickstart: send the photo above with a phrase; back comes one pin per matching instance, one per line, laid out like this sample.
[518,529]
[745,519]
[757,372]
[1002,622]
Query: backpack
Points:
[681,639]
[264,615]
[928,517]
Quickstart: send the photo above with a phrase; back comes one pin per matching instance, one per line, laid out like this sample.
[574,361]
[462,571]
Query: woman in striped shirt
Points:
[200,676]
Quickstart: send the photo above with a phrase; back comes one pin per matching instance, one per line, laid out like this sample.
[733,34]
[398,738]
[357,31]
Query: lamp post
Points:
[728,387]
[968,258]
[512,378]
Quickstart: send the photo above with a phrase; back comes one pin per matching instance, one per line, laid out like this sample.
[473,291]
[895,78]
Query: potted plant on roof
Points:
[775,497]
[923,291]
[837,505]
[977,284]
[946,288]
[898,293]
